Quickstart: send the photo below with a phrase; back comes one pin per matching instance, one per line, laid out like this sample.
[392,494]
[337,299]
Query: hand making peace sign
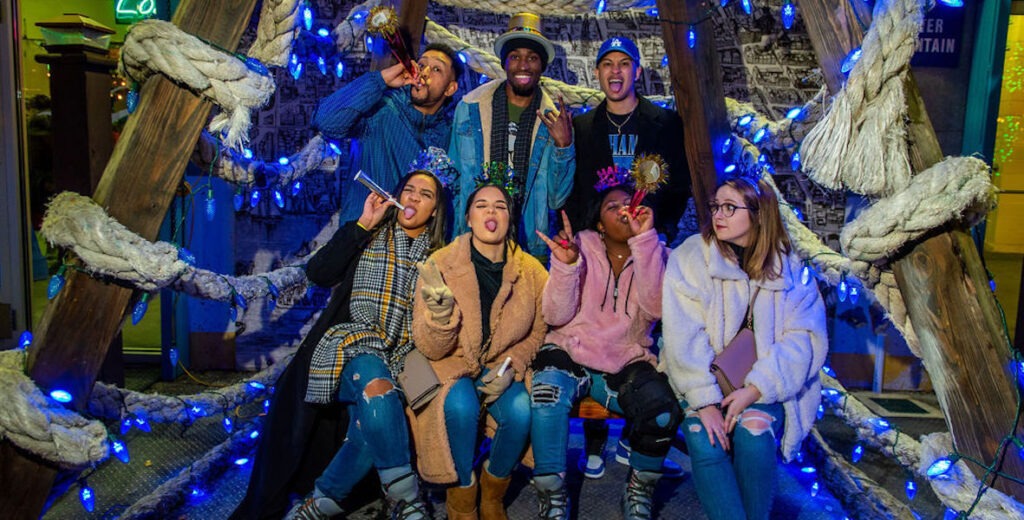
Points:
[564,246]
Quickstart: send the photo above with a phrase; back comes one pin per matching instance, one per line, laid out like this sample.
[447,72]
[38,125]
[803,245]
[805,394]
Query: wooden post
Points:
[944,285]
[412,16]
[137,186]
[700,100]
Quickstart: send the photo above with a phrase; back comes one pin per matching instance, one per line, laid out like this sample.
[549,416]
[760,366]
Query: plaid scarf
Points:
[381,308]
[524,141]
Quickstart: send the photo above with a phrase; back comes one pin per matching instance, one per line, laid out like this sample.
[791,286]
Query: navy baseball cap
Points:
[619,44]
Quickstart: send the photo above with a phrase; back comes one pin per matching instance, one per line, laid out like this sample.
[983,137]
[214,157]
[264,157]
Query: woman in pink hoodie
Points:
[601,301]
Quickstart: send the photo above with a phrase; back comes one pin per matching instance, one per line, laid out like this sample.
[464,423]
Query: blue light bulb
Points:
[172,356]
[274,291]
[850,60]
[140,309]
[126,425]
[854,294]
[857,454]
[799,214]
[323,32]
[359,15]
[600,6]
[745,120]
[730,168]
[462,57]
[256,66]
[233,313]
[61,395]
[238,200]
[87,497]
[761,134]
[254,198]
[321,65]
[815,488]
[880,424]
[691,37]
[196,492]
[664,61]
[296,188]
[726,145]
[211,206]
[828,371]
[484,79]
[241,461]
[247,153]
[821,412]
[186,256]
[339,69]
[911,489]
[794,162]
[240,301]
[805,275]
[266,406]
[196,411]
[141,422]
[369,42]
[652,12]
[296,71]
[255,434]
[953,3]
[228,425]
[788,14]
[843,290]
[747,6]
[723,3]
[131,101]
[808,470]
[830,394]
[25,339]
[283,160]
[940,468]
[120,450]
[307,17]
[56,283]
[256,385]
[794,112]
[278,197]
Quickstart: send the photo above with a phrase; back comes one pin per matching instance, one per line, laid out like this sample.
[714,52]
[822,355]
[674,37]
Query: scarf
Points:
[524,141]
[381,309]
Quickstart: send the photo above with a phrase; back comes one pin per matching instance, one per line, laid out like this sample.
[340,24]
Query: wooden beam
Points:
[944,285]
[138,183]
[700,99]
[412,17]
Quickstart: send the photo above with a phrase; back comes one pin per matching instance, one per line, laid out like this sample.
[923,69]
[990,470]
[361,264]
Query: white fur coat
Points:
[704,304]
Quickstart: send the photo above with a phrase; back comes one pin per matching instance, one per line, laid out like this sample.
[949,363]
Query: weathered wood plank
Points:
[700,99]
[136,188]
[944,285]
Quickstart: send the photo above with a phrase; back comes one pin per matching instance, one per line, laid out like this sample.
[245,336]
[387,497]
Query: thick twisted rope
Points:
[111,402]
[275,32]
[547,7]
[351,28]
[109,249]
[40,425]
[860,144]
[958,491]
[159,47]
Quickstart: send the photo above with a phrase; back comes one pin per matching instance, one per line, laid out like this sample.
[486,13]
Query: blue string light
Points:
[600,6]
[141,423]
[805,275]
[911,489]
[24,340]
[691,37]
[242,461]
[228,425]
[652,12]
[126,425]
[323,32]
[307,17]
[794,161]
[664,61]
[278,197]
[339,69]
[238,200]
[210,205]
[172,356]
[843,289]
[60,395]
[120,450]
[794,113]
[726,145]
[255,434]
[256,385]
[850,60]
[296,188]
[941,467]
[321,65]
[953,3]
[788,14]
[247,153]
[761,134]
[266,406]
[86,496]
[56,283]
[745,120]
[254,198]
[857,454]
[296,71]
[132,99]
[730,168]
[747,6]
[139,311]
[186,256]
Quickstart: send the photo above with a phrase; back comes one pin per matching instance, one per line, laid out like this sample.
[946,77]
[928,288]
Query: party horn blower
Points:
[384,23]
[649,172]
[365,180]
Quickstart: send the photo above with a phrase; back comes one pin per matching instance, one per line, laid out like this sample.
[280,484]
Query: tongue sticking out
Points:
[409,212]
[491,225]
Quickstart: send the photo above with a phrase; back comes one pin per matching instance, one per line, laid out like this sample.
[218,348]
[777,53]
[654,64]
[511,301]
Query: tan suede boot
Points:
[461,502]
[492,493]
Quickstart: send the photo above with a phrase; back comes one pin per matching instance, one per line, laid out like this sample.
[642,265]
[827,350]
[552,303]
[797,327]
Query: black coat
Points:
[660,132]
[299,439]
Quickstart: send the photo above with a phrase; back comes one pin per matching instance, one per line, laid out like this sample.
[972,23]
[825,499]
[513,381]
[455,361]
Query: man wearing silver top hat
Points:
[513,121]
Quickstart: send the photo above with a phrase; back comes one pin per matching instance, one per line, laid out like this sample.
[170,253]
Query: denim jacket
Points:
[548,181]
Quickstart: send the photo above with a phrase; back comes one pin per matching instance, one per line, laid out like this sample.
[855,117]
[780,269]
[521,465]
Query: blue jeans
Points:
[553,395]
[740,484]
[462,408]
[378,434]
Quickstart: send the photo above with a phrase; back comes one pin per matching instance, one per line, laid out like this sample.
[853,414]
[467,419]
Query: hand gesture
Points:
[640,220]
[373,210]
[714,425]
[495,385]
[396,76]
[559,123]
[736,402]
[438,297]
[563,248]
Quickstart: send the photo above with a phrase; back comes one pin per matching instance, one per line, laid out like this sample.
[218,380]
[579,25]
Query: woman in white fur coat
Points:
[742,252]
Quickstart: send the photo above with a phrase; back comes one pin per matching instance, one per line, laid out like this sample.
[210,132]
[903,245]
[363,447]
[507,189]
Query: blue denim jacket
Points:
[548,181]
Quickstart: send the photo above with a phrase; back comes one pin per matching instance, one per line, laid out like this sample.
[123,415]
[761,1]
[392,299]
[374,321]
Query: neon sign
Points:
[131,11]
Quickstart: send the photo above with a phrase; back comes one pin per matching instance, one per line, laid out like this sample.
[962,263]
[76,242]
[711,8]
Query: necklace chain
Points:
[618,126]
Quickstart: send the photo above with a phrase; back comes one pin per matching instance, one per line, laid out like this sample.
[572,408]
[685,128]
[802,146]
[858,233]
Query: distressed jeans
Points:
[378,433]
[740,484]
[462,409]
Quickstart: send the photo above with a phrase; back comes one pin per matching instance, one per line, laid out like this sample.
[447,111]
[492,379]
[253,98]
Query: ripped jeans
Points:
[558,383]
[740,484]
[378,433]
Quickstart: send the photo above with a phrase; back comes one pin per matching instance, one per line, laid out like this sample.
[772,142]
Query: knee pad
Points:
[648,401]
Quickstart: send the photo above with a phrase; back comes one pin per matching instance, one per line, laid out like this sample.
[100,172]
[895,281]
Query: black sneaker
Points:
[638,501]
[554,504]
[415,510]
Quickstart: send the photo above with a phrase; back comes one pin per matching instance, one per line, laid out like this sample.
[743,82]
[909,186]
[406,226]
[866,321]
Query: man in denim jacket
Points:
[512,121]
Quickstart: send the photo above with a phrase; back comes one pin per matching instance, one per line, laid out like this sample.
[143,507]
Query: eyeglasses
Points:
[728,209]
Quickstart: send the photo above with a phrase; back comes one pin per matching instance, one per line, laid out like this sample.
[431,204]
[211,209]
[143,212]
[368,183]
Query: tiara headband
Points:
[437,162]
[499,174]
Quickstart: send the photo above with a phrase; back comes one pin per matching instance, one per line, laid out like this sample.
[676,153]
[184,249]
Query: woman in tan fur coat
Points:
[478,305]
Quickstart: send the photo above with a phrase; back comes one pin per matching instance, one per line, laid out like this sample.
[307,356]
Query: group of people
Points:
[515,343]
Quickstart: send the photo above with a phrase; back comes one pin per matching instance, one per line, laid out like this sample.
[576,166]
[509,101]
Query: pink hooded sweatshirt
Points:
[605,323]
